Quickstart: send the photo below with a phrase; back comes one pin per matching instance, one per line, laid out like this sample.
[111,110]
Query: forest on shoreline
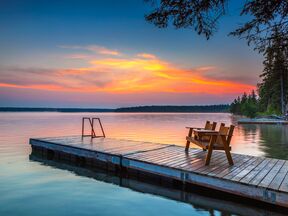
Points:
[179,109]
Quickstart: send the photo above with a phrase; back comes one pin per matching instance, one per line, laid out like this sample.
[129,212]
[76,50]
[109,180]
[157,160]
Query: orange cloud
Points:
[146,55]
[143,73]
[40,87]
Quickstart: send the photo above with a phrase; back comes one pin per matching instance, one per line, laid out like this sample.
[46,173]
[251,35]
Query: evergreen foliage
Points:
[273,89]
[204,108]
[246,105]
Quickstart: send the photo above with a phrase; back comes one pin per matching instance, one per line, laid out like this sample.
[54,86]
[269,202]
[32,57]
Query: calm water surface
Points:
[32,187]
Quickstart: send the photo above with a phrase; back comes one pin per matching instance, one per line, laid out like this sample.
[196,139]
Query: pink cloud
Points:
[146,55]
[93,48]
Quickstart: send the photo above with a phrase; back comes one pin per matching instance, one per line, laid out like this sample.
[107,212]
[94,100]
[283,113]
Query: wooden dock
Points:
[258,178]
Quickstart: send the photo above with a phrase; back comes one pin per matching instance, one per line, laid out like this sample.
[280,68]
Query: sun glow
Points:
[124,75]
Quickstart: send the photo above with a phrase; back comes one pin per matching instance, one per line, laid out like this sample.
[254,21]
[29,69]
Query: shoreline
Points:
[221,108]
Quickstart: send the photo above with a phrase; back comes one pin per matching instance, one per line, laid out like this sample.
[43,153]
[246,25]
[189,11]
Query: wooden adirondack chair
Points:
[208,126]
[219,140]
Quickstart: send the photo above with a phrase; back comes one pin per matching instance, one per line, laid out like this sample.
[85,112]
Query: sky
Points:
[80,53]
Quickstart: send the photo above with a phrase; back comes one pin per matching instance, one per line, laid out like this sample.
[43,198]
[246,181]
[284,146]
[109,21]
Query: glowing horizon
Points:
[110,71]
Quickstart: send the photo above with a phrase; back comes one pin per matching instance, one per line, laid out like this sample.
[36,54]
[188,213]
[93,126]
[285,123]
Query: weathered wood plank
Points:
[271,174]
[175,158]
[284,184]
[195,165]
[156,156]
[222,171]
[214,167]
[217,160]
[239,169]
[246,179]
[156,153]
[258,178]
[247,170]
[275,184]
[186,158]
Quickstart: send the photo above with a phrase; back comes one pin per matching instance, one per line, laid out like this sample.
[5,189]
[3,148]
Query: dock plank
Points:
[175,156]
[215,167]
[271,174]
[233,173]
[222,171]
[155,155]
[216,161]
[275,184]
[247,170]
[246,179]
[284,184]
[258,178]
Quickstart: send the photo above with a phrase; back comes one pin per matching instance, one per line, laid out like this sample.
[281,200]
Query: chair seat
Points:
[205,143]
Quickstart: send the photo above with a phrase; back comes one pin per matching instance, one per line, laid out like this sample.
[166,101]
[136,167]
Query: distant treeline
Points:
[28,109]
[204,108]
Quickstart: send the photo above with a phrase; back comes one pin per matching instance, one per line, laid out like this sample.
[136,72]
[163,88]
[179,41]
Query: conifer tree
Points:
[273,90]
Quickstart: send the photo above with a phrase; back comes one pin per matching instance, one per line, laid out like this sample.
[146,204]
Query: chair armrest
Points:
[194,128]
[206,132]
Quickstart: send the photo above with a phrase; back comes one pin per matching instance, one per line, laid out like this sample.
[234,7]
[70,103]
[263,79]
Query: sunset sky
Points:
[70,53]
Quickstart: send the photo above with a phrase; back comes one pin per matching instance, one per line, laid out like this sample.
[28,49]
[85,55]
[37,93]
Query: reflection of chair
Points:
[218,141]
[208,126]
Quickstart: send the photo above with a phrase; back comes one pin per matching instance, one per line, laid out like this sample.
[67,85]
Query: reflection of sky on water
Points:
[29,187]
[259,140]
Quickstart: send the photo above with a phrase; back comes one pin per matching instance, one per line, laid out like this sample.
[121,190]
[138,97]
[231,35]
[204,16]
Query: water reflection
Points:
[26,186]
[271,139]
[257,140]
[210,205]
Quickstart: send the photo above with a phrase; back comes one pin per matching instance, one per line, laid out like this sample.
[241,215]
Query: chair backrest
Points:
[227,131]
[210,126]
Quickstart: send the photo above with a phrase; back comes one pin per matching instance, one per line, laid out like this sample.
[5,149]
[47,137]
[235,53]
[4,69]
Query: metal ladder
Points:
[91,122]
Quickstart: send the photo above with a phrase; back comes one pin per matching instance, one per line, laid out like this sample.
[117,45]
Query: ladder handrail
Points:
[91,122]
[99,121]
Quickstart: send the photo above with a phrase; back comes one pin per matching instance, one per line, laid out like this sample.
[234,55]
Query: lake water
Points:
[34,187]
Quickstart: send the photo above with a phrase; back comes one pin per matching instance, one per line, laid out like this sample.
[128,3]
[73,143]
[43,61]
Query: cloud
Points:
[141,73]
[77,56]
[93,48]
[102,50]
[238,77]
[146,55]
[206,68]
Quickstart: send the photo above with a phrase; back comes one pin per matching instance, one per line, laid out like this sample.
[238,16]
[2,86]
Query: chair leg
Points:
[210,149]
[229,157]
[188,142]
[187,146]
[227,151]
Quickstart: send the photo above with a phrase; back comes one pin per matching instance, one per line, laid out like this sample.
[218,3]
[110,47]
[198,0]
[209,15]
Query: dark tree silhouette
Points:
[273,90]
[203,16]
[267,15]
[200,15]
